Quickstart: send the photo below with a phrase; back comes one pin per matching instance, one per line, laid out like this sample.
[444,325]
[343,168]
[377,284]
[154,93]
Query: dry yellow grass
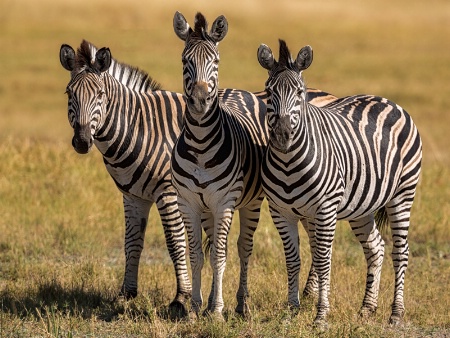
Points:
[61,225]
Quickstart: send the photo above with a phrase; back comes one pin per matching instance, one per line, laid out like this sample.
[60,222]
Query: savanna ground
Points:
[61,224]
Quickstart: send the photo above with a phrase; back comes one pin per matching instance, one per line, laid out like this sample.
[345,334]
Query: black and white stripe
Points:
[216,160]
[134,126]
[348,160]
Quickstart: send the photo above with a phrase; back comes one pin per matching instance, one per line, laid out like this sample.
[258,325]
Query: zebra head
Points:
[286,92]
[200,59]
[86,91]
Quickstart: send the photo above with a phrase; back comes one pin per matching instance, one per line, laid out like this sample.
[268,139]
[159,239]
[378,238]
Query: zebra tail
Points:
[206,247]
[382,221]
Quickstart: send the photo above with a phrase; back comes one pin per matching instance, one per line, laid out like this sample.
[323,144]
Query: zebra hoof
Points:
[294,310]
[178,309]
[367,311]
[395,320]
[128,294]
[320,324]
[214,316]
[243,311]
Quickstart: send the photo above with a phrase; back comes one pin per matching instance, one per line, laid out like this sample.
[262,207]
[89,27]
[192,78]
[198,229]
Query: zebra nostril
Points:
[191,100]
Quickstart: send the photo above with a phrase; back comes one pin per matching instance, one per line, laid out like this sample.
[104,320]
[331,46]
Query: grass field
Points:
[61,218]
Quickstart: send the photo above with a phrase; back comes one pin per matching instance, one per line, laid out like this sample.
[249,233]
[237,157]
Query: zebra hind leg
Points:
[208,227]
[399,215]
[248,219]
[372,243]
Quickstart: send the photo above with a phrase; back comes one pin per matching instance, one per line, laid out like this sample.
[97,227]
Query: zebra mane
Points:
[201,26]
[285,58]
[130,76]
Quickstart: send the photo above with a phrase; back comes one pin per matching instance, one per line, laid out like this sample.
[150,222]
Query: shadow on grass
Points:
[50,298]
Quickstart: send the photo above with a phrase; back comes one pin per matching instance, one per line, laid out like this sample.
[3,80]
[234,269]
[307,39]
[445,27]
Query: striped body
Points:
[347,160]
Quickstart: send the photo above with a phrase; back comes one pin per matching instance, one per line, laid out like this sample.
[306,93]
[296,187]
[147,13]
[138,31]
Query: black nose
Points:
[82,140]
[81,146]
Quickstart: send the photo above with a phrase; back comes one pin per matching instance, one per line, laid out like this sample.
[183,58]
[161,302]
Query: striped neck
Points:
[207,133]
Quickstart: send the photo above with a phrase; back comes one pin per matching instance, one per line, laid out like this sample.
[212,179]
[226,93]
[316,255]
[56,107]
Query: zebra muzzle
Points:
[82,139]
[200,99]
[281,135]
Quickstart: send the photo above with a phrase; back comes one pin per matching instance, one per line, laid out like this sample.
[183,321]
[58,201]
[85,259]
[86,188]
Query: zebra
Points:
[216,161]
[355,156]
[121,110]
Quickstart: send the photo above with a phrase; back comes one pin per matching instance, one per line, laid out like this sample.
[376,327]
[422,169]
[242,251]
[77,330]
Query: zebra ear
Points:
[219,28]
[67,57]
[304,58]
[180,26]
[102,59]
[265,57]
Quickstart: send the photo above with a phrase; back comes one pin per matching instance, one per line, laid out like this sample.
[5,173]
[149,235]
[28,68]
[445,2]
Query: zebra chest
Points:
[209,187]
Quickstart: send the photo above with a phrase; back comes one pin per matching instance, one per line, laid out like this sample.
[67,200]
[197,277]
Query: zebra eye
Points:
[216,61]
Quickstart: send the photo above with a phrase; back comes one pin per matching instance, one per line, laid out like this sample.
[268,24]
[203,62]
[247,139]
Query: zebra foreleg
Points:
[248,219]
[222,224]
[288,231]
[136,215]
[192,222]
[325,224]
[174,232]
[312,284]
[367,234]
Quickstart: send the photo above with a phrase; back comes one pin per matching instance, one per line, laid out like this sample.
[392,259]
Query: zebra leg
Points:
[192,222]
[176,244]
[222,224]
[288,231]
[208,227]
[399,214]
[136,212]
[367,234]
[248,219]
[325,223]
[312,284]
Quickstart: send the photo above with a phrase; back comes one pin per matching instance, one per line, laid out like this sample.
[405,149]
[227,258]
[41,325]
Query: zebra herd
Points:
[202,155]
